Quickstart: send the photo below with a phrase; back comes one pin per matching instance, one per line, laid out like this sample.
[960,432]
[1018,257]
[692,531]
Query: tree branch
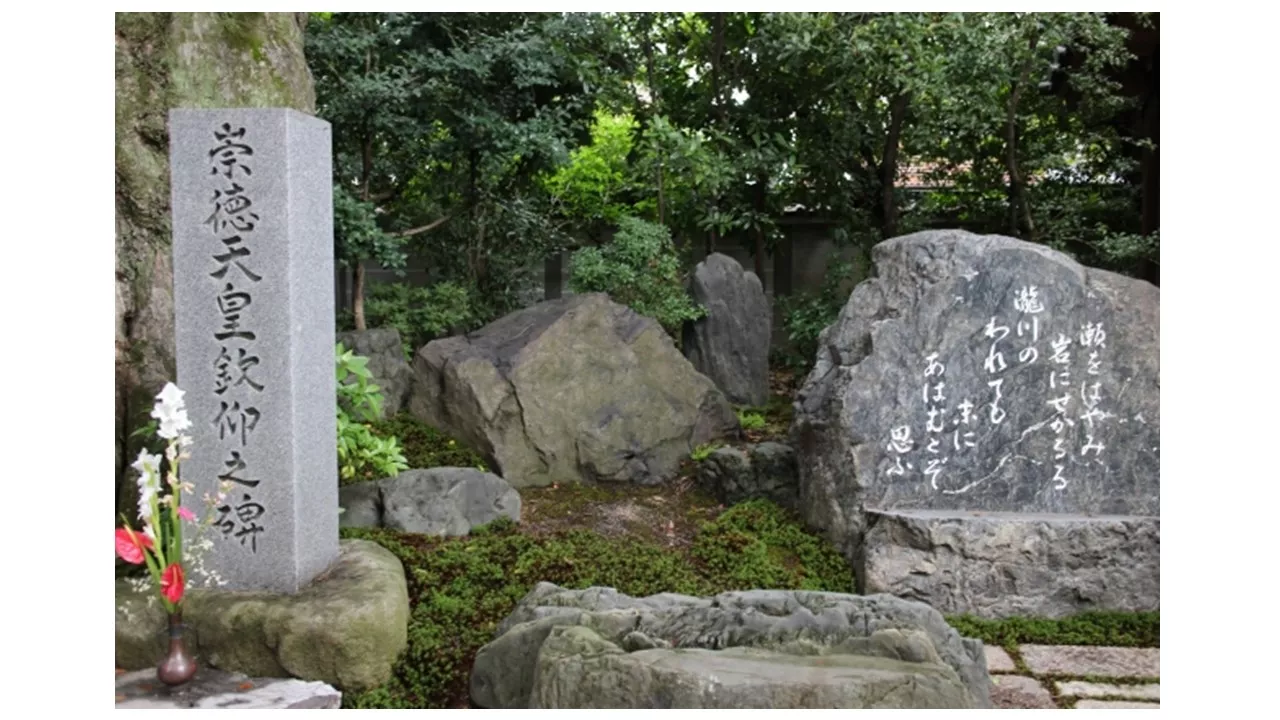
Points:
[418,230]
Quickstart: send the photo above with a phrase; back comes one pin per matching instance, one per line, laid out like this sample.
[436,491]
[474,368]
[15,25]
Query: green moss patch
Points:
[1118,629]
[461,588]
[425,446]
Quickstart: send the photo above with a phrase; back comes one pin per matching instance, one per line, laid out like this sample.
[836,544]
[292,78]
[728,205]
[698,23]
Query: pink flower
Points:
[186,514]
[172,583]
[129,545]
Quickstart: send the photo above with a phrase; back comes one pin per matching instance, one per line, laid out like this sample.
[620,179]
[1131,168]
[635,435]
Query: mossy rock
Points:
[346,628]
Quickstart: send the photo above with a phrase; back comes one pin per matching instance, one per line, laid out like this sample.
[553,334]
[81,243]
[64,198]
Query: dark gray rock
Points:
[999,565]
[579,389]
[599,648]
[436,501]
[730,344]
[390,369]
[767,470]
[982,373]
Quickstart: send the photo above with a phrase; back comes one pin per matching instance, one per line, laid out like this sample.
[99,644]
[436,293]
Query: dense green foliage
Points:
[640,268]
[1091,628]
[486,142]
[425,446]
[419,313]
[362,455]
[461,588]
[806,315]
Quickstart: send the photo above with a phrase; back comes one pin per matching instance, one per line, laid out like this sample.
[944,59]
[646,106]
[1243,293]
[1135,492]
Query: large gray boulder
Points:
[757,649]
[730,344]
[578,389]
[981,373]
[391,372]
[446,501]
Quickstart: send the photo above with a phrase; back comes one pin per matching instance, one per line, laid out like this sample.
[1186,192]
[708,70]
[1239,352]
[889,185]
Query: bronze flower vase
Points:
[179,666]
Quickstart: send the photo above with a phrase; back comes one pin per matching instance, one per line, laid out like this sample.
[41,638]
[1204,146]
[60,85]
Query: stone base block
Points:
[346,628]
[995,565]
[222,690]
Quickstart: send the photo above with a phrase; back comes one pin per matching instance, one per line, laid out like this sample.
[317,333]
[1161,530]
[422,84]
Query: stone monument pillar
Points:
[252,203]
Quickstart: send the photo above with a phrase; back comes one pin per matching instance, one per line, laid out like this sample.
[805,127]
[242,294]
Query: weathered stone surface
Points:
[346,628]
[436,501]
[579,389]
[391,372]
[680,641]
[1084,660]
[730,344]
[212,688]
[163,61]
[576,668]
[766,470]
[254,321]
[1014,564]
[1018,692]
[933,388]
[998,661]
[1116,705]
[1083,689]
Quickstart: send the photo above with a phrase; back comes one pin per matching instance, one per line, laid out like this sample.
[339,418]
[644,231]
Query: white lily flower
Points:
[171,396]
[170,412]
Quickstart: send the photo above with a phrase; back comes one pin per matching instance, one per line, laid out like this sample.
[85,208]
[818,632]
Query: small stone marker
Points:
[254,323]
[1010,692]
[1115,662]
[998,661]
[1083,689]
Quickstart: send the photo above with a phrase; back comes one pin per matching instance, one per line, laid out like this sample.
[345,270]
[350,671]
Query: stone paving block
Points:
[998,661]
[1083,660]
[1080,688]
[1117,704]
[1013,692]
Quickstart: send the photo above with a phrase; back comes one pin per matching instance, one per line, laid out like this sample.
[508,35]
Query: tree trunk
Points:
[163,61]
[761,189]
[889,167]
[657,110]
[1019,205]
[357,285]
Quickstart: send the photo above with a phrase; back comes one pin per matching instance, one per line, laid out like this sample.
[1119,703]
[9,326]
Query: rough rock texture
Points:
[1012,564]
[730,344]
[577,668]
[391,372]
[345,629]
[767,470]
[579,389]
[167,60]
[981,373]
[751,649]
[212,688]
[437,501]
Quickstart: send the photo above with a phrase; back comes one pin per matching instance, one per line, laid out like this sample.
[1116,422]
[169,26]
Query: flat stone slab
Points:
[1100,661]
[1004,564]
[1116,704]
[1013,692]
[212,688]
[998,661]
[1083,689]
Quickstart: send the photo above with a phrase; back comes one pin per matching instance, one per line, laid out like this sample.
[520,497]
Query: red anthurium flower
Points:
[129,545]
[172,583]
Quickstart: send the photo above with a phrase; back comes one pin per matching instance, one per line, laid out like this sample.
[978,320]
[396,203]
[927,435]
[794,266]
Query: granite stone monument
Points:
[982,418]
[254,316]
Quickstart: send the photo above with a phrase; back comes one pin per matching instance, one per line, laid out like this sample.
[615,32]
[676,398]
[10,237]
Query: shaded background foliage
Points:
[482,143]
